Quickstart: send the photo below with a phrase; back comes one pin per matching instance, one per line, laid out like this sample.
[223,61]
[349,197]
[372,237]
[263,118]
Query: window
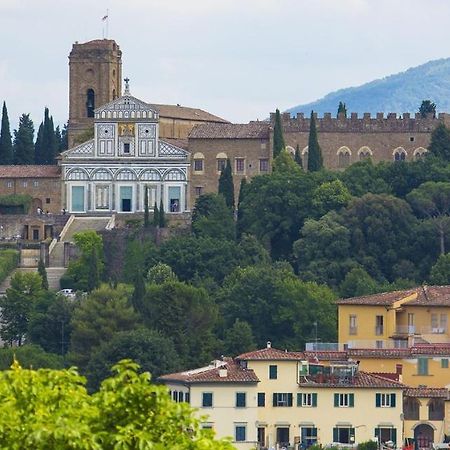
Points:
[411,139]
[344,157]
[126,147]
[35,183]
[90,103]
[444,363]
[102,196]
[344,400]
[379,325]
[353,325]
[47,200]
[175,396]
[198,191]
[263,165]
[385,434]
[198,165]
[436,409]
[411,408]
[240,432]
[207,399]
[385,400]
[207,426]
[174,199]
[187,397]
[241,400]
[309,436]
[344,435]
[25,183]
[261,399]
[273,372]
[180,396]
[9,184]
[307,399]
[221,163]
[282,399]
[240,165]
[422,366]
[400,155]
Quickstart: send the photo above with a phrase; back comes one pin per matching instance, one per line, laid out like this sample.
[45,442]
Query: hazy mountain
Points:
[402,92]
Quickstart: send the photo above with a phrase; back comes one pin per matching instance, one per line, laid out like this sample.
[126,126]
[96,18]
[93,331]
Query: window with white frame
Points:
[383,400]
[282,399]
[102,196]
[307,399]
[240,432]
[240,165]
[344,400]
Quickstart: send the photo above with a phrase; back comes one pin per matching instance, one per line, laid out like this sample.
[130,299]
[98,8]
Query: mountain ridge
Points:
[396,93]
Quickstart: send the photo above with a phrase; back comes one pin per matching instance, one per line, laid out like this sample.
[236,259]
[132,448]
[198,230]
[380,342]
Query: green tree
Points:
[440,142]
[298,156]
[432,201]
[146,211]
[30,355]
[155,215]
[137,299]
[51,409]
[239,338]
[46,146]
[226,186]
[331,195]
[315,160]
[24,141]
[440,272]
[242,189]
[149,348]
[6,148]
[161,215]
[95,320]
[187,315]
[38,145]
[356,283]
[342,109]
[427,107]
[161,273]
[211,217]
[278,137]
[43,273]
[284,163]
[16,306]
[93,278]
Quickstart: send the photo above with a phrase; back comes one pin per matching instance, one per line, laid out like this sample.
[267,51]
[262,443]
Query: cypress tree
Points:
[64,140]
[278,138]
[137,299]
[342,109]
[146,213]
[38,146]
[226,186]
[155,215]
[315,161]
[43,273]
[298,156]
[23,141]
[162,215]
[239,226]
[93,275]
[6,148]
[58,139]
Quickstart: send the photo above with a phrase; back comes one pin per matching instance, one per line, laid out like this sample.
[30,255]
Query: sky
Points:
[238,59]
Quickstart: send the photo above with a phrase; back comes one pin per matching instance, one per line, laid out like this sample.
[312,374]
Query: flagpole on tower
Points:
[105,19]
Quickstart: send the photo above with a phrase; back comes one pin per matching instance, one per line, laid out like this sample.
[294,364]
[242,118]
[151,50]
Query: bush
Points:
[368,445]
[9,259]
[15,203]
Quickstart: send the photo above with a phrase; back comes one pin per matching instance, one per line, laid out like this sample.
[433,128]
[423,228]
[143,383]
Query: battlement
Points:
[405,123]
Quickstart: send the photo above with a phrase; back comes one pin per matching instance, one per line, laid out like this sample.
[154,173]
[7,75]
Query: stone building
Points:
[95,77]
[110,172]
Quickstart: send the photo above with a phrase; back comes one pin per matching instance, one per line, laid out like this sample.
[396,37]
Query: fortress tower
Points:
[95,74]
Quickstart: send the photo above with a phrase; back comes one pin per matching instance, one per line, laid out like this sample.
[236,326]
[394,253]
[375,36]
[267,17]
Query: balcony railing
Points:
[433,330]
[405,329]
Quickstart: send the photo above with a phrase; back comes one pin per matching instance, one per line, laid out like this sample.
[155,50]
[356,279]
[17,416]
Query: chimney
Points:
[223,373]
[269,344]
[398,369]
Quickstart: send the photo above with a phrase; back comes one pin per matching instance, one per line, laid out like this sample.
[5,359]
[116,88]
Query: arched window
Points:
[90,102]
[364,153]
[436,409]
[344,155]
[399,154]
[411,407]
[291,150]
[420,153]
[199,162]
[221,159]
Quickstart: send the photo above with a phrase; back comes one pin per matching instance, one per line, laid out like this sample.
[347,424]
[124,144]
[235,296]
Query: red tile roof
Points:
[252,130]
[211,374]
[270,353]
[360,380]
[383,299]
[186,113]
[30,171]
[427,392]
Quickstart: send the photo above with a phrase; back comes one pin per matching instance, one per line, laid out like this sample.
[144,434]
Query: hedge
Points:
[9,260]
[15,203]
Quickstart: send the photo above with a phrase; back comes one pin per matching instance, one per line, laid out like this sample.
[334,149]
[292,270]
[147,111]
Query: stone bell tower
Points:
[95,75]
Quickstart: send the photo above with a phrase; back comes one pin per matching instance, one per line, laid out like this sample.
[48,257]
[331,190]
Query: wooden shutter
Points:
[289,399]
[275,399]
[393,401]
[394,435]
[336,402]
[314,399]
[377,400]
[299,399]
[351,400]
[335,433]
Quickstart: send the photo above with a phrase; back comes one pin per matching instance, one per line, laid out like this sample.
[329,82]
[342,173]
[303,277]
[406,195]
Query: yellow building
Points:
[395,319]
[272,399]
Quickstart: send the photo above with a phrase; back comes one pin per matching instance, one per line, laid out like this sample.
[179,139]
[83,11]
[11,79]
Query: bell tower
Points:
[95,75]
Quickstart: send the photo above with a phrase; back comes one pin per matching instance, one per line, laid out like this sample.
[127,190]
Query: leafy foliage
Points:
[427,107]
[9,259]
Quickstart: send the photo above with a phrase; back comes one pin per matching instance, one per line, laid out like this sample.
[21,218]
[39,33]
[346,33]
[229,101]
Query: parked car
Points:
[70,293]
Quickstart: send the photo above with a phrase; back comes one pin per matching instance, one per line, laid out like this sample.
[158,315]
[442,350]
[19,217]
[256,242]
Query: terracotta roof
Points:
[184,112]
[388,375]
[30,171]
[425,296]
[252,130]
[211,374]
[427,392]
[270,353]
[325,356]
[360,380]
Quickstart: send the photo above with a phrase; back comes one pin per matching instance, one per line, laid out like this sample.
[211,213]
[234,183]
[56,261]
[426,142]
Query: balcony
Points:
[405,330]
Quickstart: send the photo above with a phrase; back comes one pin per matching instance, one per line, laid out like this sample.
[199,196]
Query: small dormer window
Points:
[126,148]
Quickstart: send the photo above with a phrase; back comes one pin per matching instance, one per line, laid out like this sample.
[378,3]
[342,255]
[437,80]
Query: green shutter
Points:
[351,400]
[335,434]
[299,399]
[377,400]
[392,400]
[394,435]
[352,433]
[314,399]
[376,432]
[275,399]
[336,402]
[290,399]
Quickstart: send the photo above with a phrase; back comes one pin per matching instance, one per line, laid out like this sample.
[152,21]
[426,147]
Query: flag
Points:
[104,17]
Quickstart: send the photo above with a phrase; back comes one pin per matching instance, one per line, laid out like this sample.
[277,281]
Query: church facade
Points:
[111,172]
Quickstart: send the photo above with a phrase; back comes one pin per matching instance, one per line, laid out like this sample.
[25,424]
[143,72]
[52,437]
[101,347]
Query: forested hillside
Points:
[300,241]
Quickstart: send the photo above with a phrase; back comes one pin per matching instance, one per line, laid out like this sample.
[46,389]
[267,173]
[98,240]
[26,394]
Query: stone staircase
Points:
[85,224]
